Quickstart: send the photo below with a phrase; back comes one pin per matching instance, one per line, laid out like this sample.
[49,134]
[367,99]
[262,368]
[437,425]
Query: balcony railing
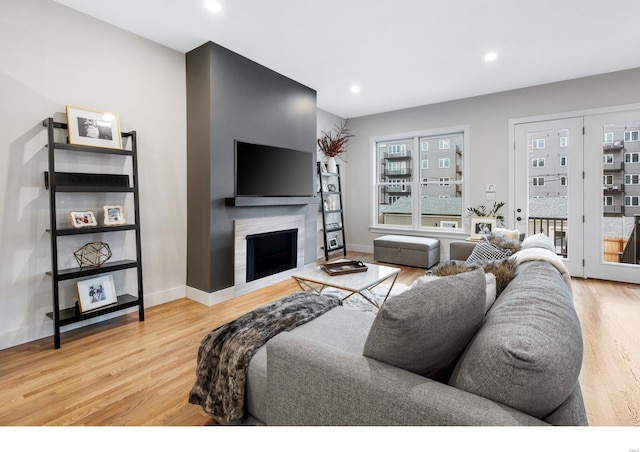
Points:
[613,167]
[615,188]
[402,172]
[555,228]
[397,155]
[615,146]
[631,253]
[617,210]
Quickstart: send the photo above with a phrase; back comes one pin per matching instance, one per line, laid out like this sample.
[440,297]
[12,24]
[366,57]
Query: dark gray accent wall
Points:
[230,97]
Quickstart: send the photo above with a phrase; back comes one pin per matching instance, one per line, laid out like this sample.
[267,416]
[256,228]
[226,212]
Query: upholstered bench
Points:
[412,251]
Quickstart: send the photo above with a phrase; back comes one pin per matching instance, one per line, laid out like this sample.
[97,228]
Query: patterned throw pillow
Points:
[487,251]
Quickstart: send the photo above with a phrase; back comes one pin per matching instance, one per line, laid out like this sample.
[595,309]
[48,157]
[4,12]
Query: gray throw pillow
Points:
[528,353]
[424,329]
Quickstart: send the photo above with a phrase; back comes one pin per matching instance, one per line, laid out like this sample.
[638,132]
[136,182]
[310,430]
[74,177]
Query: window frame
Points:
[416,183]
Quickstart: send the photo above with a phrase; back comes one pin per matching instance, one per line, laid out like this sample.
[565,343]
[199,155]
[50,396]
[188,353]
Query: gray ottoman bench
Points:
[407,250]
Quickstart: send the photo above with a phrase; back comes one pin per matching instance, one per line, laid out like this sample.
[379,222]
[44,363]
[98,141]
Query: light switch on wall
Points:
[490,188]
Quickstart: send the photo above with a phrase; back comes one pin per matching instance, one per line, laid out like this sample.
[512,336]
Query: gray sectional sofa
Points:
[431,356]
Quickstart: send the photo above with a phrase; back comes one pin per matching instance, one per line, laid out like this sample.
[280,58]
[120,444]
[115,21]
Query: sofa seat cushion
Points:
[342,328]
[424,329]
[528,352]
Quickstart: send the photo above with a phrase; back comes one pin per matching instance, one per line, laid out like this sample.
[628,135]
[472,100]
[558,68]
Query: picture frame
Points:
[93,127]
[325,186]
[333,243]
[95,293]
[83,219]
[481,226]
[113,215]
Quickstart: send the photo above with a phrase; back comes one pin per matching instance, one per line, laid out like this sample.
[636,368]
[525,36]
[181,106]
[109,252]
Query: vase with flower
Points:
[333,146]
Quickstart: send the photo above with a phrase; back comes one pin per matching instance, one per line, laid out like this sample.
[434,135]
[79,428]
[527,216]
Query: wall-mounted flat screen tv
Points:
[262,170]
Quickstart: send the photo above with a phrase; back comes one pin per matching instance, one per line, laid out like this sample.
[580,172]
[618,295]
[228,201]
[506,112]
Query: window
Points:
[632,201]
[564,160]
[537,163]
[396,148]
[538,181]
[608,138]
[607,159]
[631,135]
[564,142]
[563,181]
[423,195]
[607,200]
[607,179]
[537,143]
[632,157]
[444,144]
[632,179]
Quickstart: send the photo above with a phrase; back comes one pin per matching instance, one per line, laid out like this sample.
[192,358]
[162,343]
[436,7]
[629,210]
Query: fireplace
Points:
[271,252]
[271,268]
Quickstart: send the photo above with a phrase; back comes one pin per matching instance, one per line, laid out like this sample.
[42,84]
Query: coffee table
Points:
[316,279]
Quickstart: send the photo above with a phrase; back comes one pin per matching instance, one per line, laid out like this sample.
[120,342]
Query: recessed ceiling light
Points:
[491,56]
[213,6]
[355,89]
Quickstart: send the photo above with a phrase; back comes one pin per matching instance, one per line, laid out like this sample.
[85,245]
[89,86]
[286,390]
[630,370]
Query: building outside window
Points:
[537,162]
[537,181]
[608,137]
[444,163]
[632,201]
[632,179]
[632,135]
[607,159]
[632,157]
[564,142]
[538,143]
[564,160]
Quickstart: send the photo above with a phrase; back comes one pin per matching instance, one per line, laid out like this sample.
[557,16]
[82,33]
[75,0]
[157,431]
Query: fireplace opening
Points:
[271,252]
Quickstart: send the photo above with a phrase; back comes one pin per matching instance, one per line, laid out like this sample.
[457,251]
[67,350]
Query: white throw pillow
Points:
[491,291]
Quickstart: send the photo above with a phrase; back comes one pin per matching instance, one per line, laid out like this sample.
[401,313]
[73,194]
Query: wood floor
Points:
[128,373]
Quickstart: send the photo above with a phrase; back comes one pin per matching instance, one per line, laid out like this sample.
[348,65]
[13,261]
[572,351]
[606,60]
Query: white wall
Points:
[487,117]
[53,56]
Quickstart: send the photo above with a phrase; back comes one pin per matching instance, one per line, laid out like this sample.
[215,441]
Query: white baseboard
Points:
[34,332]
[209,299]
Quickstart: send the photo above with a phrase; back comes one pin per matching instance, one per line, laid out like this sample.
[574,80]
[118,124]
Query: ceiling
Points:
[402,53]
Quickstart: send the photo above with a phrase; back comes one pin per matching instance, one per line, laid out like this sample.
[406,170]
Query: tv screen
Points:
[263,170]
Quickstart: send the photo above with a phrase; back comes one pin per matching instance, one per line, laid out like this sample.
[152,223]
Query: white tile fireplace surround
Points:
[248,226]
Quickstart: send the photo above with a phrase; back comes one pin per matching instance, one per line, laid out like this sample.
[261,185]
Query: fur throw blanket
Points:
[224,354]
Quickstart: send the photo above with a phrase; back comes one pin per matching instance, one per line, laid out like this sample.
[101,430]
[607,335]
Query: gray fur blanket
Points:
[224,354]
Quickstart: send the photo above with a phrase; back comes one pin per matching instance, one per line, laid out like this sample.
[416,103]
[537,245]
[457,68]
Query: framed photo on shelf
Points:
[83,219]
[113,215]
[93,128]
[481,226]
[333,243]
[96,293]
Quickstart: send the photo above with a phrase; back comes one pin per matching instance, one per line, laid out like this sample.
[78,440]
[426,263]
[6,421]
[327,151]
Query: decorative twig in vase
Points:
[334,146]
[481,211]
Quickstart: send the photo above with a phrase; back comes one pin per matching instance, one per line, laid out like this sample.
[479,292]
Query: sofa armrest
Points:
[313,384]
[460,250]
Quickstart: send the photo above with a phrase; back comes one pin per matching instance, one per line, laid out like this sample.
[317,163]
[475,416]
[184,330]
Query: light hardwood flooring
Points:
[126,372]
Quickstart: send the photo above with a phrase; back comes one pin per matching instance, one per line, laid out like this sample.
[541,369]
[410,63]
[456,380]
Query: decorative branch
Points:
[481,211]
[335,146]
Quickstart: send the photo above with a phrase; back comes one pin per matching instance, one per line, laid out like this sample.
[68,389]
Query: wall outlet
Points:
[490,188]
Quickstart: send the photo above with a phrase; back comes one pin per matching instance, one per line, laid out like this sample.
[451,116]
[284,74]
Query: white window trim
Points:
[630,134]
[564,142]
[535,162]
[628,157]
[608,137]
[442,161]
[416,228]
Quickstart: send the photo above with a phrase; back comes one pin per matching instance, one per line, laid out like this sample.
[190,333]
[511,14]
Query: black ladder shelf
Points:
[332,211]
[90,183]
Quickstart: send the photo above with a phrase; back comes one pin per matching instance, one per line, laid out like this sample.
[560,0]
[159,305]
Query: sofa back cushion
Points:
[528,352]
[424,329]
